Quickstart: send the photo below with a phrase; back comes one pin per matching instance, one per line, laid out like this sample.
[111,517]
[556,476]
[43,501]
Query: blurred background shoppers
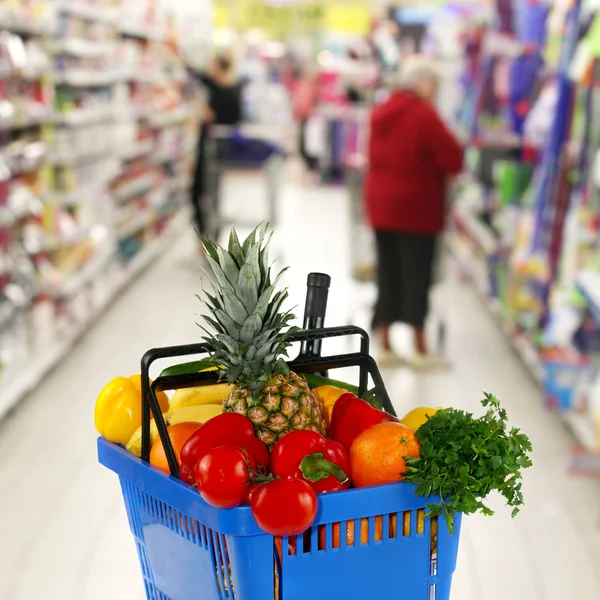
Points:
[223,107]
[412,155]
[305,98]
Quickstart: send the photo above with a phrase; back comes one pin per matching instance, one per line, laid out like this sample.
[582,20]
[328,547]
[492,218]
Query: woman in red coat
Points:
[412,156]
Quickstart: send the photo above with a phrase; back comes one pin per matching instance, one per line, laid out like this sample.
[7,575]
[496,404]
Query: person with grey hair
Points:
[412,156]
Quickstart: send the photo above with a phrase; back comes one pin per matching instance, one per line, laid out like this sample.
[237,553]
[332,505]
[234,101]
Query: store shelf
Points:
[136,224]
[38,366]
[82,48]
[529,354]
[52,243]
[66,198]
[142,113]
[141,31]
[92,269]
[477,231]
[88,78]
[79,158]
[7,313]
[24,25]
[82,117]
[88,11]
[141,184]
[588,283]
[174,156]
[26,74]
[584,430]
[145,75]
[27,159]
[25,122]
[166,118]
[84,57]
[137,149]
[581,426]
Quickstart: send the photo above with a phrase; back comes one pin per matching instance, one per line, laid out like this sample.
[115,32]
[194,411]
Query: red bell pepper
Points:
[228,429]
[351,416]
[307,455]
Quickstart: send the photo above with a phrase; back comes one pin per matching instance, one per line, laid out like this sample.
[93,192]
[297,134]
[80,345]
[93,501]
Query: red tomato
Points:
[228,429]
[250,489]
[222,476]
[284,506]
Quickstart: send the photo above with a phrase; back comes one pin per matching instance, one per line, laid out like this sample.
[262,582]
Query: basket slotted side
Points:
[189,550]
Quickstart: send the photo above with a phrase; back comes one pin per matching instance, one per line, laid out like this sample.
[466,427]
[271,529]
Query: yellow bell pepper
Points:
[118,412]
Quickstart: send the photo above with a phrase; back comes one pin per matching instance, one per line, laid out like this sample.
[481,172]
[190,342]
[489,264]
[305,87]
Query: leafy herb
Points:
[463,459]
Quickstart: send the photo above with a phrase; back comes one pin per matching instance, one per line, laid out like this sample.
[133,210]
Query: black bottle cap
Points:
[321,280]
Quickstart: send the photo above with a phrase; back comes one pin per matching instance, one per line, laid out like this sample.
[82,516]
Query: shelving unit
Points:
[508,225]
[103,196]
[44,361]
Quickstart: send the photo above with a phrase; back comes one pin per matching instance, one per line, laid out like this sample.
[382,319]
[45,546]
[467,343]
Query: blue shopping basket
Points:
[189,550]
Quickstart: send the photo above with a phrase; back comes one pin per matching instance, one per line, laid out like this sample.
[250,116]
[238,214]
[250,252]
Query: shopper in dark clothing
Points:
[412,155]
[223,107]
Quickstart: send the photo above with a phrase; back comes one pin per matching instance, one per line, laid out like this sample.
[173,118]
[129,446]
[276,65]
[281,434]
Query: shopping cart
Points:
[190,550]
[238,149]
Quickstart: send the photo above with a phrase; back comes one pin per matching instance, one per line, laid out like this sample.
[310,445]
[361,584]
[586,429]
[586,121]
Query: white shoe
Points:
[428,362]
[388,358]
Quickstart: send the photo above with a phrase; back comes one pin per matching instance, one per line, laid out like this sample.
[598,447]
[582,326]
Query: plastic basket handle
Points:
[303,364]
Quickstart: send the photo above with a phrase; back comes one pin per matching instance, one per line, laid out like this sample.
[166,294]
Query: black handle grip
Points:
[302,364]
[317,292]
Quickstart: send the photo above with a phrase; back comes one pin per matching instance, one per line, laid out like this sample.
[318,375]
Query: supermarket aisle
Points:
[64,532]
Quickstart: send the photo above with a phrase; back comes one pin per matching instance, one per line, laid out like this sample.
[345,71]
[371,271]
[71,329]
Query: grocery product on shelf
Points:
[96,146]
[266,507]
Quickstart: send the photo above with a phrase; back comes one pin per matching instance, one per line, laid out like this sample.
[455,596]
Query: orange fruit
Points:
[364,532]
[377,454]
[378,534]
[179,435]
[328,395]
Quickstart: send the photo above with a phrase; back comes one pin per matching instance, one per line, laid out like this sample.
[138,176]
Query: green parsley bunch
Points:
[463,459]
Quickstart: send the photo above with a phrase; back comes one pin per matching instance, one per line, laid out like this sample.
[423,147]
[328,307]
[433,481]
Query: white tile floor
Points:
[63,531]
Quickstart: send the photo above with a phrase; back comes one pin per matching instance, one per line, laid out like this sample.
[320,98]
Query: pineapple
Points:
[249,335]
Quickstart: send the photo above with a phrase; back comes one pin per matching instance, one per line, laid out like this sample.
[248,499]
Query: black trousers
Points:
[405,268]
[199,184]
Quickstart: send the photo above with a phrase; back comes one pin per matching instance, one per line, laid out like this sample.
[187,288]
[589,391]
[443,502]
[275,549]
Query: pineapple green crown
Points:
[247,329]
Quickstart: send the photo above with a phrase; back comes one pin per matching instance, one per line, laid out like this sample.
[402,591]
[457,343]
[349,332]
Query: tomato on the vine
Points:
[250,489]
[284,506]
[228,429]
[222,476]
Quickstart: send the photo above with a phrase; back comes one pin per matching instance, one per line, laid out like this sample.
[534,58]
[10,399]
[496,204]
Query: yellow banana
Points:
[188,414]
[195,414]
[134,445]
[195,396]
